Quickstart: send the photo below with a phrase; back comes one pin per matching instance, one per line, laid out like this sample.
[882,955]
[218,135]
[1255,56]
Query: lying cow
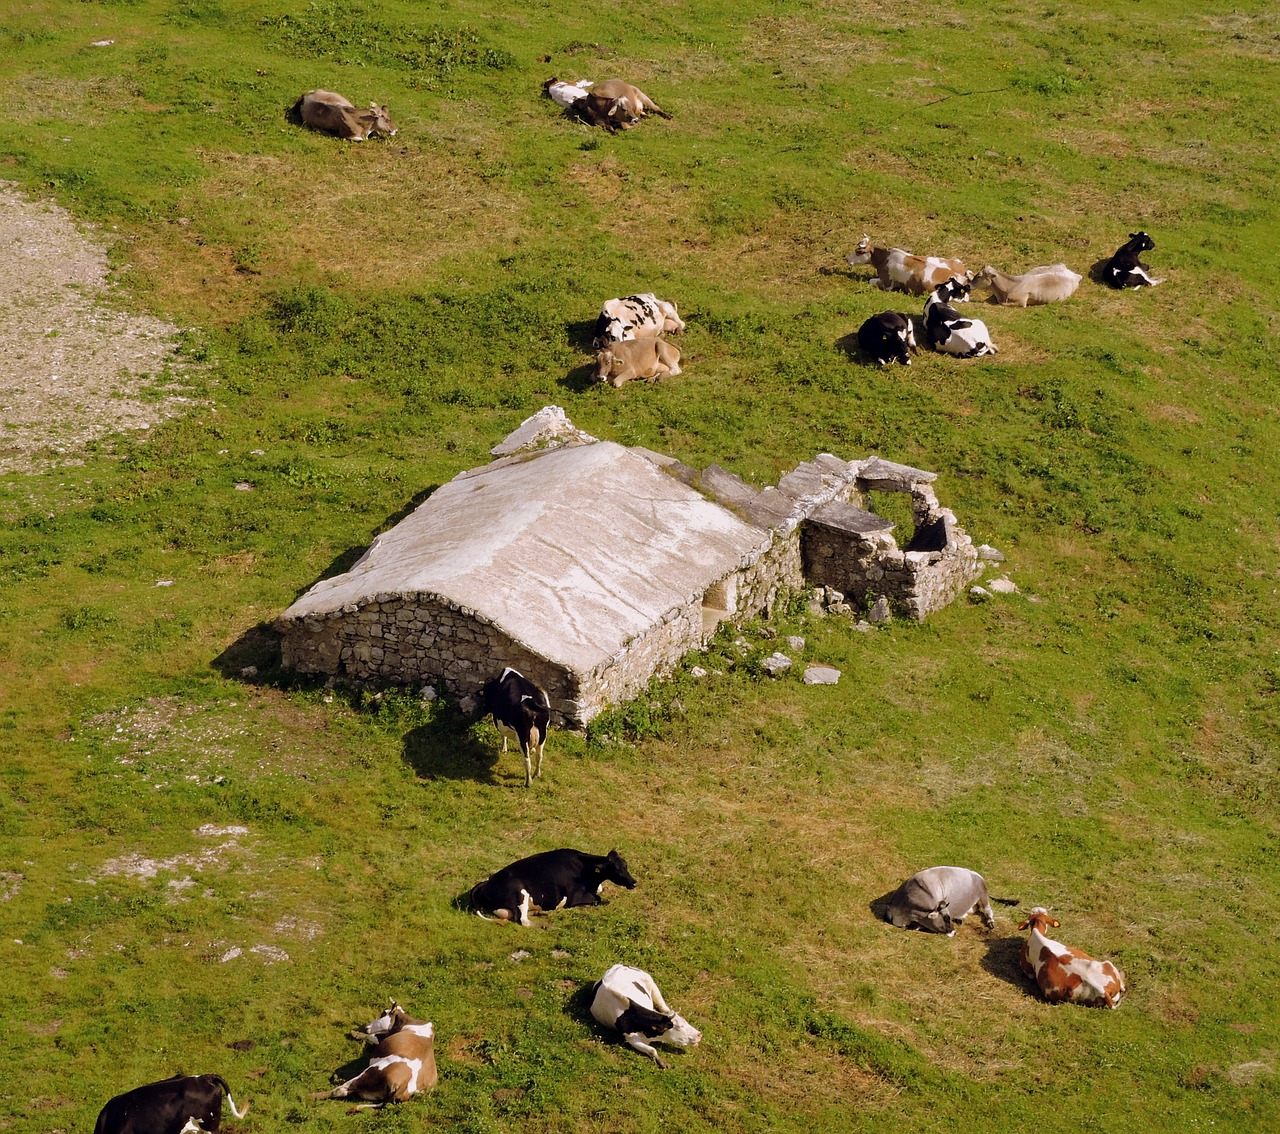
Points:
[1063,973]
[1034,286]
[402,1064]
[617,363]
[324,110]
[888,337]
[635,317]
[567,94]
[521,711]
[616,105]
[1125,270]
[949,331]
[940,898]
[628,1000]
[551,880]
[899,270]
[184,1104]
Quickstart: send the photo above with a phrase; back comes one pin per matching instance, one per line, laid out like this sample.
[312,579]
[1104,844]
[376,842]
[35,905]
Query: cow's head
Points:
[616,871]
[952,289]
[1039,918]
[385,1024]
[382,123]
[861,254]
[938,919]
[1141,242]
[682,1033]
[607,364]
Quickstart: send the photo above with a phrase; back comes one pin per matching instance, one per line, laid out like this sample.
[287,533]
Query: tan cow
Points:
[1036,285]
[616,105]
[324,110]
[617,363]
[1064,973]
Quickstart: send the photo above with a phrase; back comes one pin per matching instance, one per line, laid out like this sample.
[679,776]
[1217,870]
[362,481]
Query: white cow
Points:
[628,1000]
[635,317]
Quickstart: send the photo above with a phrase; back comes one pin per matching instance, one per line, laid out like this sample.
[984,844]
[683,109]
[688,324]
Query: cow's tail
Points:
[475,905]
[222,1083]
[1008,901]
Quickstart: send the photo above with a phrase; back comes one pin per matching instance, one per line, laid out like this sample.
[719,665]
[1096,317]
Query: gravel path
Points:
[71,368]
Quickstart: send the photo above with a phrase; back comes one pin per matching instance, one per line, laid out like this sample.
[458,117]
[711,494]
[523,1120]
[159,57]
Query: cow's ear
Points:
[1024,924]
[1055,923]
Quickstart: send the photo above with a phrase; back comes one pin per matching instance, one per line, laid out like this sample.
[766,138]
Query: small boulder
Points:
[880,611]
[775,664]
[818,674]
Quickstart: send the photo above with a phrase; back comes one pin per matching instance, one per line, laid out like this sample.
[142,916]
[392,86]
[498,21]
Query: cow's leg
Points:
[528,766]
[539,742]
[636,1040]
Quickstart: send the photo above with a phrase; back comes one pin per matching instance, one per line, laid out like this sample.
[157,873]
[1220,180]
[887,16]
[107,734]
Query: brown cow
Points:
[324,110]
[616,105]
[617,363]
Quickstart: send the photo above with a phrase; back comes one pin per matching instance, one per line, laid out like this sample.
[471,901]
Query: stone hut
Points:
[592,567]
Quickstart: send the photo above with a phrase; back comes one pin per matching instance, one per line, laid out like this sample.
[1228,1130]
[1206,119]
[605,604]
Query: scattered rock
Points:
[1246,1074]
[249,671]
[561,954]
[231,954]
[862,626]
[880,612]
[163,583]
[833,597]
[697,671]
[243,486]
[818,674]
[775,664]
[520,955]
[269,953]
[816,608]
[428,693]
[979,594]
[989,553]
[1003,586]
[795,642]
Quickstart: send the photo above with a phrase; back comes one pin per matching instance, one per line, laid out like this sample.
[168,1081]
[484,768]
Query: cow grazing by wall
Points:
[183,1104]
[1125,270]
[333,114]
[950,332]
[521,711]
[567,94]
[1063,973]
[1035,286]
[888,337]
[402,1063]
[617,105]
[899,270]
[940,898]
[627,1000]
[551,880]
[635,317]
[617,363]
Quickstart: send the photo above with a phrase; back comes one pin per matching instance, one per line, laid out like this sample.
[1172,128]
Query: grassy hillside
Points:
[208,870]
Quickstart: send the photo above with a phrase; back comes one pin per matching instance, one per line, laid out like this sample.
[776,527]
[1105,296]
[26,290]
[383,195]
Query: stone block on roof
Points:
[879,475]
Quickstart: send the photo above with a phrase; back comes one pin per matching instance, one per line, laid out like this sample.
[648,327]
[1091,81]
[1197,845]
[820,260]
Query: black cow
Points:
[184,1104]
[522,711]
[888,337]
[1125,270]
[551,880]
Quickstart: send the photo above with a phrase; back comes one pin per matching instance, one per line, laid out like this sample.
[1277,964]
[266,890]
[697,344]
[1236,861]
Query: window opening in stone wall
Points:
[895,506]
[718,603]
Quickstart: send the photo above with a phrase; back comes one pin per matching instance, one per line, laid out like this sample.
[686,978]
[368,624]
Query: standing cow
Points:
[521,711]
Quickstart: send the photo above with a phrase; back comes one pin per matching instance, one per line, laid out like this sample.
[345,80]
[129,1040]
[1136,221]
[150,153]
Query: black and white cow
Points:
[949,331]
[888,337]
[184,1104]
[521,710]
[635,317]
[1125,270]
[551,880]
[940,898]
[628,1000]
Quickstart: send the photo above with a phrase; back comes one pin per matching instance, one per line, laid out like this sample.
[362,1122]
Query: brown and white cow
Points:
[1064,973]
[899,270]
[617,363]
[617,105]
[402,1063]
[330,112]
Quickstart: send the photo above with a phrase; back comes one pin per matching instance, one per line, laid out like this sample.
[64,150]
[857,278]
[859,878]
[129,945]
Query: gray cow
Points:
[940,898]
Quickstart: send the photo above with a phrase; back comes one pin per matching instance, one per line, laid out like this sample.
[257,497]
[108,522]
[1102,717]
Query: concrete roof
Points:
[571,551]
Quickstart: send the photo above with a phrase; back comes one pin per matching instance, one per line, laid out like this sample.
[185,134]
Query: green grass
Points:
[376,317]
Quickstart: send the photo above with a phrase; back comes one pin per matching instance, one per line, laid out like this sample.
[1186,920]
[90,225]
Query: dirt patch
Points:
[72,368]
